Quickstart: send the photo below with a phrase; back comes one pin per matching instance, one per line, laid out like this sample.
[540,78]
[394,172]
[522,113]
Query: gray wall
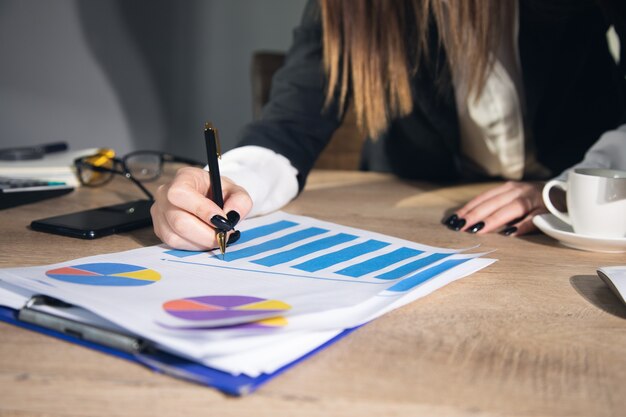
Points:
[138,74]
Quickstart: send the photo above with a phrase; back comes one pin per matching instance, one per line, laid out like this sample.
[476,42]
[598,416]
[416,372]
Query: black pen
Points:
[213,153]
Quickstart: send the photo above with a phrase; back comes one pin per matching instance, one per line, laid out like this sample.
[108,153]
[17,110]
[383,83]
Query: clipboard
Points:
[172,365]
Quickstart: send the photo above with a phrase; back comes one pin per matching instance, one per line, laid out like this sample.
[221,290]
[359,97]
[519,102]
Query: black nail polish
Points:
[450,220]
[509,231]
[476,227]
[233,217]
[234,237]
[221,223]
[457,225]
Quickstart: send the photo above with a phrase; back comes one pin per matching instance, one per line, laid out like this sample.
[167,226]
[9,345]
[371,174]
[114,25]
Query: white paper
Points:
[276,296]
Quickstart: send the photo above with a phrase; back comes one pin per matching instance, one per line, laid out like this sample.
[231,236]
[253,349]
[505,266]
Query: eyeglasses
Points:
[98,169]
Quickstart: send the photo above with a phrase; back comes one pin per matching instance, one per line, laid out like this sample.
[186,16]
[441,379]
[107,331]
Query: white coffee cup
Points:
[596,201]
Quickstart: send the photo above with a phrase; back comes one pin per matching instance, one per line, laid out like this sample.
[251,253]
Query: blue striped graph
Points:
[413,266]
[277,243]
[324,261]
[423,276]
[306,249]
[183,253]
[379,262]
[370,255]
[265,230]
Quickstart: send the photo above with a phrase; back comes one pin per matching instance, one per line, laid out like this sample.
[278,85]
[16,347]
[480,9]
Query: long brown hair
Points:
[368,54]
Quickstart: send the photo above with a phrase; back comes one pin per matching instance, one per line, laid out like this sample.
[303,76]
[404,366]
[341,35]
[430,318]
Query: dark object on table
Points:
[15,192]
[98,222]
[31,152]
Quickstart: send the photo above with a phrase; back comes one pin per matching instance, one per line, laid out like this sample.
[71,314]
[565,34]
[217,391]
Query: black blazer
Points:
[574,92]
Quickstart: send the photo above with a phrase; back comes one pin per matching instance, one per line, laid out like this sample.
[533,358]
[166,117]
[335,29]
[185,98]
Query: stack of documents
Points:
[55,167]
[288,286]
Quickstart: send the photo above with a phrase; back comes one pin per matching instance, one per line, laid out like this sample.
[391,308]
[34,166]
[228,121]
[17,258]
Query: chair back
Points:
[343,152]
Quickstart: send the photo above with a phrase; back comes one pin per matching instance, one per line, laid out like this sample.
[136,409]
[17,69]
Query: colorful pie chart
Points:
[106,274]
[228,310]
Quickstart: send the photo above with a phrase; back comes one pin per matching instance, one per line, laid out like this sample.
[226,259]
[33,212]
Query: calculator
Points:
[18,191]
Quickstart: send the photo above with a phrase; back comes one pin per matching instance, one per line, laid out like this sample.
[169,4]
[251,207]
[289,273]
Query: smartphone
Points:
[95,223]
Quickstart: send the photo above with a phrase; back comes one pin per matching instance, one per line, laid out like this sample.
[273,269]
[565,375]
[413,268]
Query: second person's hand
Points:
[185,218]
[508,209]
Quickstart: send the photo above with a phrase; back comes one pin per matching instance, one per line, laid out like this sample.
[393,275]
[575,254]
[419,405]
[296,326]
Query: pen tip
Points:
[221,241]
[208,126]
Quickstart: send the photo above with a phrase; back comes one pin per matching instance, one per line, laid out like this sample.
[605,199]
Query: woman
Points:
[446,90]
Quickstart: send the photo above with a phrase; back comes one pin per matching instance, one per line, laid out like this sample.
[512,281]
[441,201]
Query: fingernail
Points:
[233,217]
[234,237]
[476,227]
[450,220]
[457,225]
[221,223]
[509,231]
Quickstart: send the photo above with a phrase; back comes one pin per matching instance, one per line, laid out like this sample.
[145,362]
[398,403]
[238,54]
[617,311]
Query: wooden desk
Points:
[537,333]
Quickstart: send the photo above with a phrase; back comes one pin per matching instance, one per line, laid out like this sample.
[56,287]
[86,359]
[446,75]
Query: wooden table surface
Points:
[535,334]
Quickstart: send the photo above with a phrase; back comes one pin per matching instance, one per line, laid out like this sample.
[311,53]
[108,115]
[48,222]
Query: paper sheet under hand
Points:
[287,279]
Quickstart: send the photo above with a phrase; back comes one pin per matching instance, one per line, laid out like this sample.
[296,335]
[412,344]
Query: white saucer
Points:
[563,232]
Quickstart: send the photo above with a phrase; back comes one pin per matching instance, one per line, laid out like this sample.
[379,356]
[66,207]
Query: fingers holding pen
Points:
[180,229]
[237,204]
[237,201]
[170,237]
[185,218]
[177,212]
[191,211]
[189,192]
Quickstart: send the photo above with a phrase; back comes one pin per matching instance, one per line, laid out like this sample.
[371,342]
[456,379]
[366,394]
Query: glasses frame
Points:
[163,157]
[123,170]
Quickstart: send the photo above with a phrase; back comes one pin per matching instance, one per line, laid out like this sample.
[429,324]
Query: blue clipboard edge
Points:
[168,364]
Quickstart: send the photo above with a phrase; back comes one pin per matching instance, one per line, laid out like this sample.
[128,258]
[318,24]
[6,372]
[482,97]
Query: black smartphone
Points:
[95,223]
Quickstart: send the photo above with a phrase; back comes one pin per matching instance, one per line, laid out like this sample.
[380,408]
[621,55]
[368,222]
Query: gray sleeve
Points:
[608,152]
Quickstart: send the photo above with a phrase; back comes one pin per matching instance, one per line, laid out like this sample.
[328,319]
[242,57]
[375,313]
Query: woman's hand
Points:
[185,218]
[508,208]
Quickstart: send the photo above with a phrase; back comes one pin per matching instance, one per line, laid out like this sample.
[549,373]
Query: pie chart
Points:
[106,274]
[227,310]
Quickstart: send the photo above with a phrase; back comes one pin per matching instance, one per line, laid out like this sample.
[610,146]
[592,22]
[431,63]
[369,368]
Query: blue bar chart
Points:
[315,250]
[272,244]
[333,258]
[379,262]
[413,266]
[265,230]
[305,249]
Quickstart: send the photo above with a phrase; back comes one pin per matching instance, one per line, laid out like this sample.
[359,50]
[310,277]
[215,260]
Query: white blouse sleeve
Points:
[608,152]
[268,177]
